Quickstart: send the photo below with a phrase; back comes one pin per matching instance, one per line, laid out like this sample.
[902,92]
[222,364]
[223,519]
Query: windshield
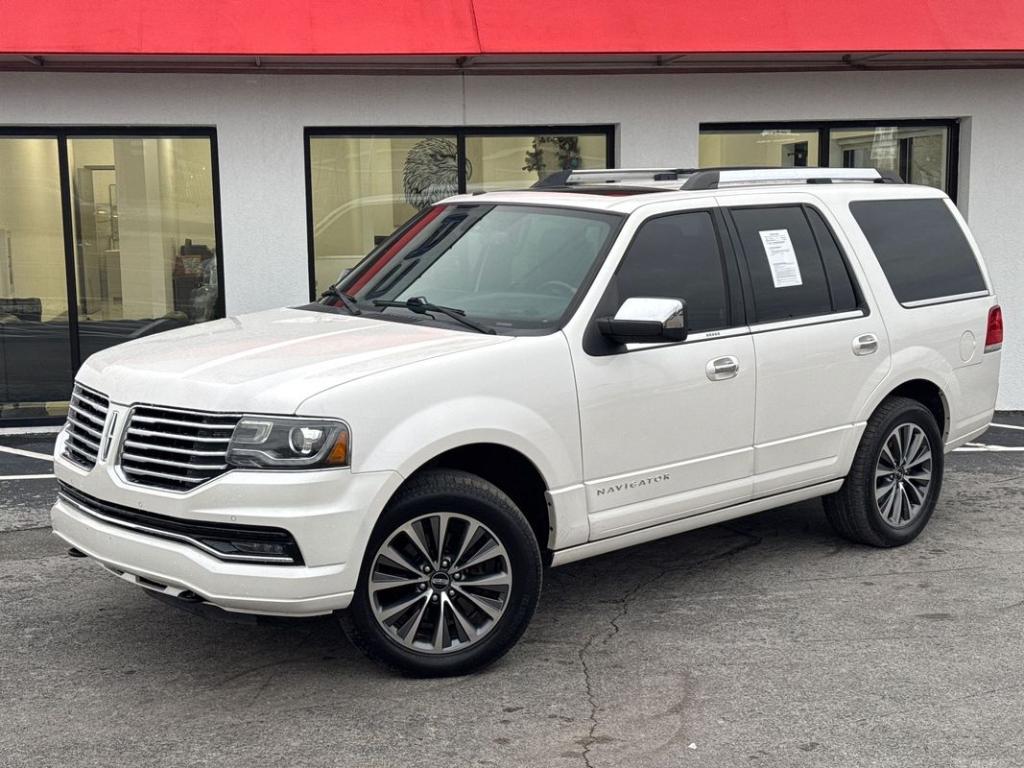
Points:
[508,266]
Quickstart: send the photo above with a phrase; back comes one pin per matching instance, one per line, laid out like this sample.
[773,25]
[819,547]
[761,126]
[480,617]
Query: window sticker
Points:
[781,257]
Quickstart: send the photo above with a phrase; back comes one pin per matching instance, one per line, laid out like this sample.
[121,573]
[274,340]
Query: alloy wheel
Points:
[440,583]
[903,475]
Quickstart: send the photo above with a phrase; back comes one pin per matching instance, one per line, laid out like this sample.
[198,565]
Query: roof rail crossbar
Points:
[715,179]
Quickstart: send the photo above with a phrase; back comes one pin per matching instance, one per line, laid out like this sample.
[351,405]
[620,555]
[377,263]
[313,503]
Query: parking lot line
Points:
[992,448]
[25,477]
[27,454]
[1007,426]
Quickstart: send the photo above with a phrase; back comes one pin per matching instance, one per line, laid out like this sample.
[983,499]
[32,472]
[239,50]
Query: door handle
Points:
[722,368]
[865,344]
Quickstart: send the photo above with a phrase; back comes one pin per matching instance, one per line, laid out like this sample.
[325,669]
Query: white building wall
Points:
[260,119]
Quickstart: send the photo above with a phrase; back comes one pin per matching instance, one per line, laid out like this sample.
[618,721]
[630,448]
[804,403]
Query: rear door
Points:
[820,349]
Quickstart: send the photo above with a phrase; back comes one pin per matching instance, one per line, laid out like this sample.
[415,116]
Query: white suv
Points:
[516,379]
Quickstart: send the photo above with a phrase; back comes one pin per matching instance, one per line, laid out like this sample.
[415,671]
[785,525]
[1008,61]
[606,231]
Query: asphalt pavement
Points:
[768,641]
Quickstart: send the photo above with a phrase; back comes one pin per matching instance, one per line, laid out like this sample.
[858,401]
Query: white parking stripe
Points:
[29,430]
[24,477]
[1007,426]
[27,454]
[992,449]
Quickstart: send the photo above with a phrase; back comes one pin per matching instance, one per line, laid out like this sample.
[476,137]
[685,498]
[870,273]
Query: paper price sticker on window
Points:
[781,257]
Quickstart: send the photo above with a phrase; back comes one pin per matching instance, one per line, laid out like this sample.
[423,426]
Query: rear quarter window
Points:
[921,248]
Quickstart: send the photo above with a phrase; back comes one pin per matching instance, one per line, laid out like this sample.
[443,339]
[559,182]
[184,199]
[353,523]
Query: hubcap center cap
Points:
[440,580]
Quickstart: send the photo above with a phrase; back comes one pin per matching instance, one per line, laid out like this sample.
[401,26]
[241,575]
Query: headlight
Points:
[272,442]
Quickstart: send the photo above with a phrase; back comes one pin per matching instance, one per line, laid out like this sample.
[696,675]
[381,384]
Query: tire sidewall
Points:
[922,417]
[499,514]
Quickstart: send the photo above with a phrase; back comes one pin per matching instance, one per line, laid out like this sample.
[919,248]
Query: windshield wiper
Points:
[347,301]
[421,306]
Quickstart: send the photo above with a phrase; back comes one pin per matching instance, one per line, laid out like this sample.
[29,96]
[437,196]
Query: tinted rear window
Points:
[921,248]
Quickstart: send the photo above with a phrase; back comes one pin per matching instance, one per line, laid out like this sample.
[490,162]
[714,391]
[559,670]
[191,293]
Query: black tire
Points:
[468,495]
[853,510]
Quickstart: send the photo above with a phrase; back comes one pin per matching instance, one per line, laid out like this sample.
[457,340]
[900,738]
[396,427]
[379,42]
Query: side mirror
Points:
[646,321]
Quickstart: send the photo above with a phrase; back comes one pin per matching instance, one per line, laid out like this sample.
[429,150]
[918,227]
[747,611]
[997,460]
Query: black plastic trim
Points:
[177,529]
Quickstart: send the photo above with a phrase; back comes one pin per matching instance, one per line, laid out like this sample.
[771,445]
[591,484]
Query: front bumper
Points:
[329,513]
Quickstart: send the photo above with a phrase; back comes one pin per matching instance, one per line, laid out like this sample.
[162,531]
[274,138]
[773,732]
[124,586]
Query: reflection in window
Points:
[145,239]
[35,354]
[517,162]
[918,152]
[769,147]
[365,187]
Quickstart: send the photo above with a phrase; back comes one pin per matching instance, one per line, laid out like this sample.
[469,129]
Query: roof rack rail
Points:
[661,177]
[575,177]
[717,178]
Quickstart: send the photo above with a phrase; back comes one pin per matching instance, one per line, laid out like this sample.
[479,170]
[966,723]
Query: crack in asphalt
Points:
[623,604]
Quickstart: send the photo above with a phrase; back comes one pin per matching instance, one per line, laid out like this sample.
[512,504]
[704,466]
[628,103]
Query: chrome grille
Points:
[87,413]
[175,449]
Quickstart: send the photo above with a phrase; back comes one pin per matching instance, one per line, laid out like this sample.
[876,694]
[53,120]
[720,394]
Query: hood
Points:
[264,362]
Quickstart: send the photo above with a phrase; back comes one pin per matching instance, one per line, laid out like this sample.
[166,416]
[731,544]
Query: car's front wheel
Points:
[450,579]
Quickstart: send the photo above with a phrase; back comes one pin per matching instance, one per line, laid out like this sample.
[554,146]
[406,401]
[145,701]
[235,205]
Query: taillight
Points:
[994,333]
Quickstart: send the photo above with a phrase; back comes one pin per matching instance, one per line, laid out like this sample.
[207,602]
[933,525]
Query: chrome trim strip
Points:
[797,322]
[148,433]
[169,463]
[164,475]
[169,449]
[90,416]
[176,423]
[88,430]
[944,299]
[84,439]
[739,330]
[111,431]
[168,534]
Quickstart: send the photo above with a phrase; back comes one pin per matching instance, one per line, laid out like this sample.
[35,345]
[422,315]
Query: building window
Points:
[363,184]
[920,151]
[105,236]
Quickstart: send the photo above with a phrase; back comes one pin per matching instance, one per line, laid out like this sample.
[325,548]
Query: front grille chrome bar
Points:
[175,449]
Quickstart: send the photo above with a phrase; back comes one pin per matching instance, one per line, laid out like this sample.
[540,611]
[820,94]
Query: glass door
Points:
[145,236]
[35,339]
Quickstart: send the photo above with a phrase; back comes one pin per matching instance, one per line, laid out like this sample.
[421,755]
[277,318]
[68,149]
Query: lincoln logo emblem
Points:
[440,580]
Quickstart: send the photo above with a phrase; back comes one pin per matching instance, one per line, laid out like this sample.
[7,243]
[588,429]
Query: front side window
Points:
[510,267]
[677,257]
[921,248]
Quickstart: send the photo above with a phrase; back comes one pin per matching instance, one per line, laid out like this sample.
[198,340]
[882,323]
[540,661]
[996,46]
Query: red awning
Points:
[505,27]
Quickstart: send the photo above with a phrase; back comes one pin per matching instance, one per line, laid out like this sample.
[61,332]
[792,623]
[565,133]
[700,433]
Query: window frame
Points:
[460,133]
[824,129]
[754,323]
[596,345]
[62,134]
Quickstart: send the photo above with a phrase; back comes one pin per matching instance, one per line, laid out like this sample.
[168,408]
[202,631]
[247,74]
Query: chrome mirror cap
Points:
[646,320]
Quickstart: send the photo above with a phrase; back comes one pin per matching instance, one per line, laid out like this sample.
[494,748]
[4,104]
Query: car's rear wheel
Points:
[450,579]
[894,482]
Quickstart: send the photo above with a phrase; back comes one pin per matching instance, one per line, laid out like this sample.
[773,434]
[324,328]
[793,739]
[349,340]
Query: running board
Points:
[603,546]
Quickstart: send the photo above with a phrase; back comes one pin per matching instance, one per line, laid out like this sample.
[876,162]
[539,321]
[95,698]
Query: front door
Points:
[668,428]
